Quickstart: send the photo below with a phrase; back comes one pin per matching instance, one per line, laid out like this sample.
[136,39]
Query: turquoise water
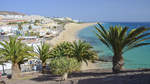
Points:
[136,58]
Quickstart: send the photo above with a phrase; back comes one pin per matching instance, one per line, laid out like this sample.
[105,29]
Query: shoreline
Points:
[70,34]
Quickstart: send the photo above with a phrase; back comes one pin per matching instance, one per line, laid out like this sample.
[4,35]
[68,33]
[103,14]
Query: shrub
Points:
[63,66]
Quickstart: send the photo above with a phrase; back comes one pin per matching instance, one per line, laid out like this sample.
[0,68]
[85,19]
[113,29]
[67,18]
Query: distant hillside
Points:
[10,13]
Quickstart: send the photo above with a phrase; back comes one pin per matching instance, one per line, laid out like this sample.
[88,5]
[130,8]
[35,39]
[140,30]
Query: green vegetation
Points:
[82,51]
[63,66]
[61,50]
[30,27]
[31,33]
[54,27]
[78,50]
[34,33]
[15,51]
[20,27]
[63,22]
[120,40]
[27,33]
[14,23]
[36,22]
[11,23]
[43,52]
[65,58]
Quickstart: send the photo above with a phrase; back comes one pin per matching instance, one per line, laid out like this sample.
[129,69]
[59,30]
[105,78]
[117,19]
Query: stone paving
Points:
[90,77]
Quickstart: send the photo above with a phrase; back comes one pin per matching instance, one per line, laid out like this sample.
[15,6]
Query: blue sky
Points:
[84,10]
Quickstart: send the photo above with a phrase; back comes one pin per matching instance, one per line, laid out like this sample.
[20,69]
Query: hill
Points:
[10,13]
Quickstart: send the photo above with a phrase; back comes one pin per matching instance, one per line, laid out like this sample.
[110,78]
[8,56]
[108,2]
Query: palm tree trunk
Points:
[118,63]
[15,71]
[3,69]
[43,68]
[19,66]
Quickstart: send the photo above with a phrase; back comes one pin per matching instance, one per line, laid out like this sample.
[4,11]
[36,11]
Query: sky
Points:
[84,10]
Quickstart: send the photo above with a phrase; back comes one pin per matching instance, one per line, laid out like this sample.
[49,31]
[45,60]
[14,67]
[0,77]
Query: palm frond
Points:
[120,39]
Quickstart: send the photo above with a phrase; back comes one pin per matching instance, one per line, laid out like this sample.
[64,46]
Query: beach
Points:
[70,34]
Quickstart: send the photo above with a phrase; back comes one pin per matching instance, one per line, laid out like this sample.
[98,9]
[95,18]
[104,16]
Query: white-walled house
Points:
[6,66]
[8,28]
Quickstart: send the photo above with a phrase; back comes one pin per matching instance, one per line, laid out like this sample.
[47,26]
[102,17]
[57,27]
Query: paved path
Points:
[91,77]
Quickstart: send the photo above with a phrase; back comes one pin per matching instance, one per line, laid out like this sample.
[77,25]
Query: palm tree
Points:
[36,22]
[120,40]
[15,51]
[30,27]
[20,27]
[78,50]
[61,50]
[82,51]
[43,52]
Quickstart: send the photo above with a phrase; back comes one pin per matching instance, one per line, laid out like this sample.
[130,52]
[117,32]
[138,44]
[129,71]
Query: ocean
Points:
[135,58]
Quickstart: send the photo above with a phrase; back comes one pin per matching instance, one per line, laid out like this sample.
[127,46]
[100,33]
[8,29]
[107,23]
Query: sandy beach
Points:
[70,34]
